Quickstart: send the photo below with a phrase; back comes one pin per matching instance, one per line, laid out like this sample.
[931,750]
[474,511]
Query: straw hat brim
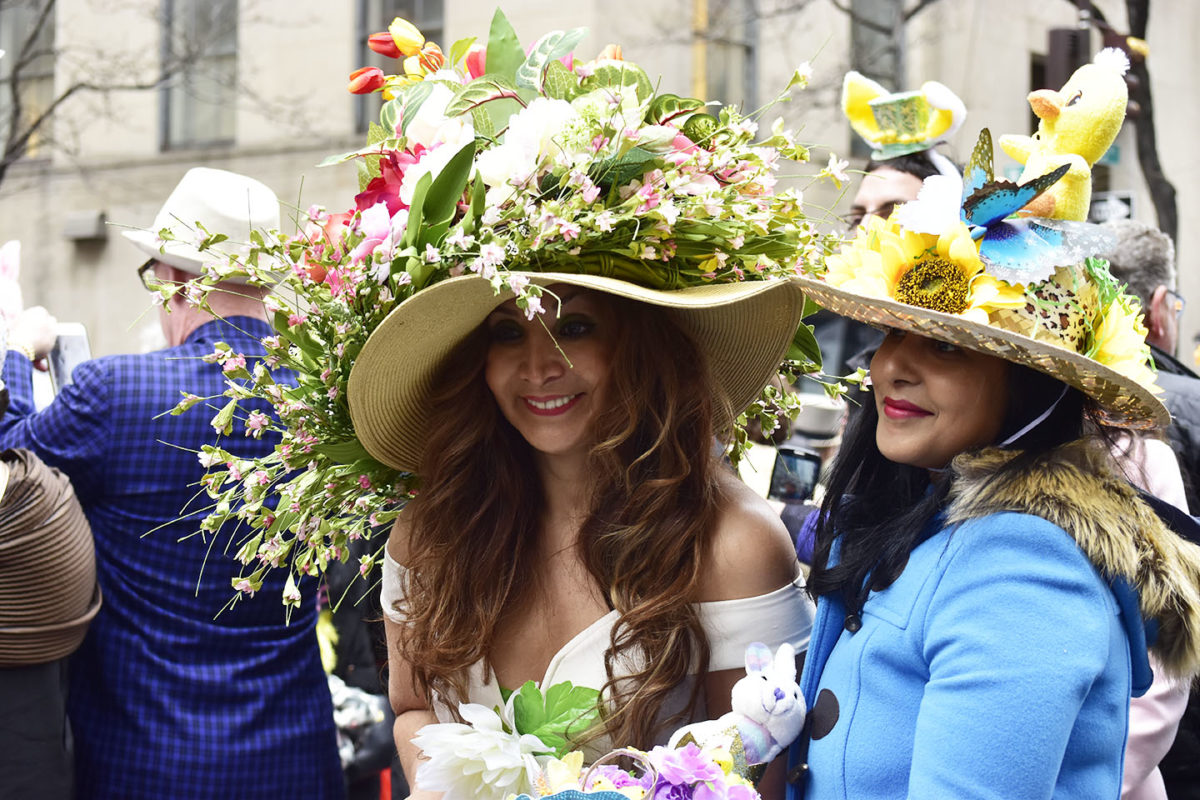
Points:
[1124,401]
[743,329]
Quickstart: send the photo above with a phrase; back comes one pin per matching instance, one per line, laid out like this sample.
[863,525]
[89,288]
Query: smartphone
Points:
[794,476]
[70,347]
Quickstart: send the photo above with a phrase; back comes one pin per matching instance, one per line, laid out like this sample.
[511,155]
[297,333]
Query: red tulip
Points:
[366,80]
[384,44]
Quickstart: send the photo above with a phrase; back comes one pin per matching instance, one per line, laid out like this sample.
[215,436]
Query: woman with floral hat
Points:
[989,582]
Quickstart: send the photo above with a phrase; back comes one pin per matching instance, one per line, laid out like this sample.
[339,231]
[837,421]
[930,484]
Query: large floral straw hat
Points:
[954,267]
[496,172]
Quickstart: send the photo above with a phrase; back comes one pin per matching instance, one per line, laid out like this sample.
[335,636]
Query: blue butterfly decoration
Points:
[1028,249]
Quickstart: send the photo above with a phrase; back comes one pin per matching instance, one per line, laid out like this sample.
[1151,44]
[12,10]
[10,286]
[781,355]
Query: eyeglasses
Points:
[147,276]
[856,217]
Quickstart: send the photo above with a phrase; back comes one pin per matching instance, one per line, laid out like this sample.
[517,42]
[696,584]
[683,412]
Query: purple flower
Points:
[686,766]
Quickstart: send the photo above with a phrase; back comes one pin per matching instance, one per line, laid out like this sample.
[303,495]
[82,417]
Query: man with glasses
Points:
[171,695]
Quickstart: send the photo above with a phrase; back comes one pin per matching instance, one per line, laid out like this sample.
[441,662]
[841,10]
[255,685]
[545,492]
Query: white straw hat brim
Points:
[743,329]
[1124,401]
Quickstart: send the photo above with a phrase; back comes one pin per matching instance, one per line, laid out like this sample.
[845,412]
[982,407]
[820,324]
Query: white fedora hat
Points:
[223,202]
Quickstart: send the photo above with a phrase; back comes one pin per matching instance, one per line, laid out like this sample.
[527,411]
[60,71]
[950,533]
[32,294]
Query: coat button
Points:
[853,623]
[825,714]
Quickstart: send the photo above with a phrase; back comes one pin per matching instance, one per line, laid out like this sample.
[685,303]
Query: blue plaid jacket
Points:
[168,698]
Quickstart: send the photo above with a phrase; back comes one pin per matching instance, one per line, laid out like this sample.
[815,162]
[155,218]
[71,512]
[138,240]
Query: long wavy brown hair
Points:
[654,502]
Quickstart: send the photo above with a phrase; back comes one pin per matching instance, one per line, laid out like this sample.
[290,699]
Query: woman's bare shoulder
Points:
[752,553]
[397,543]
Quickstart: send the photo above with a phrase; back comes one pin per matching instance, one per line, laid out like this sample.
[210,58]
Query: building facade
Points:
[259,87]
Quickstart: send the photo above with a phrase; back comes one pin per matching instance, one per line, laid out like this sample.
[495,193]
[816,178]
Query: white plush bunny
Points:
[768,709]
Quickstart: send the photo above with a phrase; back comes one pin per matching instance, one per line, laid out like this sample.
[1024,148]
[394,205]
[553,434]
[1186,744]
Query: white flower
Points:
[936,208]
[433,162]
[532,139]
[430,126]
[479,760]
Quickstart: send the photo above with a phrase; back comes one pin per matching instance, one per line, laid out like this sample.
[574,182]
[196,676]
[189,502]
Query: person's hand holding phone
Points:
[34,332]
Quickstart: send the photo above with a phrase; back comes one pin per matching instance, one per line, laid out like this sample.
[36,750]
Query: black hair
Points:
[882,510]
[918,164]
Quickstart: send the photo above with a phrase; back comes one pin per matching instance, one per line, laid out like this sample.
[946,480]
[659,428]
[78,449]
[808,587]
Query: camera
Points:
[794,476]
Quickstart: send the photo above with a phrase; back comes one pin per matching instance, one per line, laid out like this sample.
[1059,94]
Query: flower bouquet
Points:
[526,749]
[489,159]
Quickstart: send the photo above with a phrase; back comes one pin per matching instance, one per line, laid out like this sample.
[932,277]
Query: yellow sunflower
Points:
[1119,342]
[942,273]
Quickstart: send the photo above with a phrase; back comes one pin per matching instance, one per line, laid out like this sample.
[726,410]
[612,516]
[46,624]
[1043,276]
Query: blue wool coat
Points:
[998,665]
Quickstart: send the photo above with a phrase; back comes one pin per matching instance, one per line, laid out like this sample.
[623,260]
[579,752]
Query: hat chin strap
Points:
[1038,420]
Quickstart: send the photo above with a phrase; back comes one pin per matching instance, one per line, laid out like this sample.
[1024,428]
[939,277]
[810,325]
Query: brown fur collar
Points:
[1076,488]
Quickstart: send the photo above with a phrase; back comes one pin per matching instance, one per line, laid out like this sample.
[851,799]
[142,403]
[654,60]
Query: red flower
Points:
[384,44]
[386,187]
[366,80]
[477,61]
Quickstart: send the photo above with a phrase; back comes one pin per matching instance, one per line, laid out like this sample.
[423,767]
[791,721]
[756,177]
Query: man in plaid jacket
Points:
[170,695]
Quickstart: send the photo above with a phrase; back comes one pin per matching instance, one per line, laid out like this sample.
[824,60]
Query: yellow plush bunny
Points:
[1078,124]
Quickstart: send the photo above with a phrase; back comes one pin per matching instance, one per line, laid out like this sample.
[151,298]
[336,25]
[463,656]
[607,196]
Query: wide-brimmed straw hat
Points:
[223,202]
[1076,325]
[742,328]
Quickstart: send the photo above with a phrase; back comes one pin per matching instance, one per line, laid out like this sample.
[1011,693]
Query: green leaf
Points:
[804,347]
[405,105]
[564,712]
[376,133]
[416,212]
[560,83]
[504,52]
[459,50]
[550,47]
[346,452]
[622,170]
[441,201]
[667,107]
[620,76]
[478,92]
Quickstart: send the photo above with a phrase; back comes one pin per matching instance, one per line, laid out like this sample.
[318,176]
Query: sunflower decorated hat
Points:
[956,265]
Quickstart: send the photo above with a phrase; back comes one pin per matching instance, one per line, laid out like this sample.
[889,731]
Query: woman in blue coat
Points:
[987,580]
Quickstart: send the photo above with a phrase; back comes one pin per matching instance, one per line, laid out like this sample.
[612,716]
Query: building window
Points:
[374,16]
[199,72]
[730,74]
[26,73]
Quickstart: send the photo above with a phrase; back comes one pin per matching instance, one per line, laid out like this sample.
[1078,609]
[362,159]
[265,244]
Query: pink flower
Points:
[296,319]
[476,61]
[234,363]
[533,308]
[364,481]
[257,422]
[569,230]
[244,586]
[261,478]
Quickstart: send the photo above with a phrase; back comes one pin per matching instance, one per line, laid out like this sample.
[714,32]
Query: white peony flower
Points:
[532,139]
[430,126]
[479,760]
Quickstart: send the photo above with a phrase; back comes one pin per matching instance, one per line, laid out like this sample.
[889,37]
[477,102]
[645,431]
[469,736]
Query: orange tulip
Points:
[366,80]
[431,57]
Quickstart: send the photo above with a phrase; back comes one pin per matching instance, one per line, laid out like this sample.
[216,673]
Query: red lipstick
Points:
[894,408]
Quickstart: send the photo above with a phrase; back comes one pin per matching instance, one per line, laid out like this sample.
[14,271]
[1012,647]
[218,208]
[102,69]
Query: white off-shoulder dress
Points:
[784,615]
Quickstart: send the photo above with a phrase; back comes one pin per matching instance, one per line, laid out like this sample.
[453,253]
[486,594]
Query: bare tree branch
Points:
[859,19]
[917,9]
